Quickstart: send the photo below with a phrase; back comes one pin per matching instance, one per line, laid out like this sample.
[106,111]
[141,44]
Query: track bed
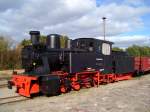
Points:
[12,99]
[125,96]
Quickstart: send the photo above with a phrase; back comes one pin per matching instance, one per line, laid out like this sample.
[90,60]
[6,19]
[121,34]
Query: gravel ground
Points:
[125,96]
[6,74]
[3,82]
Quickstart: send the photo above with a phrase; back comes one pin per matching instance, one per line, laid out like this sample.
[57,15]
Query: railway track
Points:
[4,78]
[12,99]
[3,85]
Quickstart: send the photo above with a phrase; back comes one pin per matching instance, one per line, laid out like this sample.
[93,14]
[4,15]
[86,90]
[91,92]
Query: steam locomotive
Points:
[82,63]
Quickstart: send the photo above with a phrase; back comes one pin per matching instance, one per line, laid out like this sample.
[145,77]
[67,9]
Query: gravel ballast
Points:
[124,96]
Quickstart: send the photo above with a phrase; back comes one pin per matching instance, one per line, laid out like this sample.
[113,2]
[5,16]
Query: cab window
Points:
[106,49]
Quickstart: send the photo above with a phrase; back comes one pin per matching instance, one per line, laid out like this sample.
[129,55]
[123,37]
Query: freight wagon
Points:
[142,64]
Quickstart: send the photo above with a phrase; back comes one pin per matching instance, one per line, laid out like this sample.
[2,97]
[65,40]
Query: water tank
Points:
[53,41]
[35,37]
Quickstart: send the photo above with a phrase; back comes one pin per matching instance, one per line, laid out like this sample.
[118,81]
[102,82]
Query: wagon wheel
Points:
[76,87]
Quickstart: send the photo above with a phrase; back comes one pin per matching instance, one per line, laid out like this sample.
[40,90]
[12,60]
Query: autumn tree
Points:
[5,46]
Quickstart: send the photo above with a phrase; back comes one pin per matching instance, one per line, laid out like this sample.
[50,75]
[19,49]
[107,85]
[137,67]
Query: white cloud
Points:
[125,41]
[76,18]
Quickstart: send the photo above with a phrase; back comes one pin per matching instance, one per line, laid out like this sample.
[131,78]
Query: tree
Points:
[145,51]
[5,46]
[43,39]
[136,50]
[63,41]
[26,42]
[117,49]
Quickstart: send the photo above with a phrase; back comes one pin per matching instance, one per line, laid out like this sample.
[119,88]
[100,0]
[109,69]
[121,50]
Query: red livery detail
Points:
[25,85]
[126,76]
[142,64]
[28,85]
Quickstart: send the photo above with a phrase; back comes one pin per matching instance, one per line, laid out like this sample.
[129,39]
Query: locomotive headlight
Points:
[34,63]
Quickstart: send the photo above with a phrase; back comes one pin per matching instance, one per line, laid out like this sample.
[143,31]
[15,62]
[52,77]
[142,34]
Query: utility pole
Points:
[104,18]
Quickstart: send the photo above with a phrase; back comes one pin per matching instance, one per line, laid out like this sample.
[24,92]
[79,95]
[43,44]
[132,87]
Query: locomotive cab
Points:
[97,54]
[93,45]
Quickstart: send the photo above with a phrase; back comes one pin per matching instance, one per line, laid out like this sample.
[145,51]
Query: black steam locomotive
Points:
[84,62]
[78,55]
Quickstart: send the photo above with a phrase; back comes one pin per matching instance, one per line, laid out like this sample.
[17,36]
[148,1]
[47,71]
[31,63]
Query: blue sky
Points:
[127,20]
[145,30]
